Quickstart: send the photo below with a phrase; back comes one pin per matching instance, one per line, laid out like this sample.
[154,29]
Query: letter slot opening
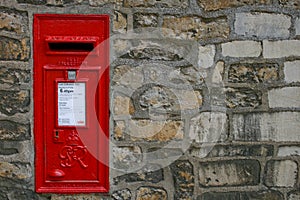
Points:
[70,46]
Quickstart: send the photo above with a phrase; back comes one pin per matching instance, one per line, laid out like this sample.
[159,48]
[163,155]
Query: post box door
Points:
[71,103]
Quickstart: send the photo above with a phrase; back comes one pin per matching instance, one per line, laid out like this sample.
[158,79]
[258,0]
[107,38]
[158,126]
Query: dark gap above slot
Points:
[71,46]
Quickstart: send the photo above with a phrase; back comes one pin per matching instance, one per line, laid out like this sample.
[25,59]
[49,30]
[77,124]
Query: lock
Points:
[71,100]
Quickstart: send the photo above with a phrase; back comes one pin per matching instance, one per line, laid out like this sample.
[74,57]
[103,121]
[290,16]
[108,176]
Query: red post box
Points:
[71,103]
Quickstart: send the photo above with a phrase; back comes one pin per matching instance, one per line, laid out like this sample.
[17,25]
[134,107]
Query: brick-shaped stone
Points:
[208,127]
[281,49]
[206,56]
[297,26]
[12,49]
[290,3]
[253,73]
[14,77]
[195,28]
[12,102]
[143,20]
[16,171]
[295,195]
[278,127]
[152,3]
[122,106]
[281,173]
[209,5]
[126,157]
[124,194]
[287,97]
[102,2]
[35,2]
[288,151]
[14,131]
[243,98]
[144,193]
[13,21]
[120,22]
[262,25]
[292,71]
[229,173]
[259,195]
[241,49]
[232,151]
[155,131]
[183,175]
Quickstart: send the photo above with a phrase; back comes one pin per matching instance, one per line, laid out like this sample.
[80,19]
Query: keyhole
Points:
[56,134]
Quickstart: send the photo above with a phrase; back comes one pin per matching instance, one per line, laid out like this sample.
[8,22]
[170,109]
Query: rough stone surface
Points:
[35,2]
[288,151]
[127,76]
[122,106]
[126,157]
[281,49]
[149,193]
[294,195]
[124,194]
[13,21]
[260,195]
[287,97]
[281,173]
[194,27]
[14,77]
[155,131]
[119,130]
[142,20]
[103,2]
[16,171]
[209,5]
[206,56]
[120,22]
[278,127]
[241,49]
[152,3]
[77,197]
[233,150]
[183,175]
[292,71]
[253,73]
[262,25]
[243,97]
[229,173]
[297,26]
[14,131]
[12,49]
[208,127]
[290,3]
[13,102]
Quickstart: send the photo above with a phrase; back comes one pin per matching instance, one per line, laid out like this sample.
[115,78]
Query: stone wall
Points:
[205,98]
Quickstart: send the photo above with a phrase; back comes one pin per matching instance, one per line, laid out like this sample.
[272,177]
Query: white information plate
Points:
[71,104]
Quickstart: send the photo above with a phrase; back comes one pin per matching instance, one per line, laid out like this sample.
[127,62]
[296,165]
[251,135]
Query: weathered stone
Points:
[14,77]
[243,97]
[217,76]
[120,22]
[152,3]
[103,2]
[23,149]
[12,49]
[130,77]
[124,194]
[295,195]
[290,3]
[13,102]
[229,173]
[8,148]
[145,175]
[141,20]
[292,71]
[78,197]
[163,154]
[183,176]
[208,127]
[119,130]
[151,193]
[281,48]
[260,195]
[155,131]
[16,171]
[20,193]
[206,56]
[195,28]
[288,151]
[253,73]
[280,126]
[209,5]
[281,173]
[14,131]
[241,49]
[297,26]
[262,25]
[122,106]
[127,157]
[13,21]
[35,2]
[287,97]
[233,150]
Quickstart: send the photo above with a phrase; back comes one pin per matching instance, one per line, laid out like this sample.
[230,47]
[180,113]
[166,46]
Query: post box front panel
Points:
[71,103]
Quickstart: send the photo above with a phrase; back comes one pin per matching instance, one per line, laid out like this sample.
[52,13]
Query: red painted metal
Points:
[71,154]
